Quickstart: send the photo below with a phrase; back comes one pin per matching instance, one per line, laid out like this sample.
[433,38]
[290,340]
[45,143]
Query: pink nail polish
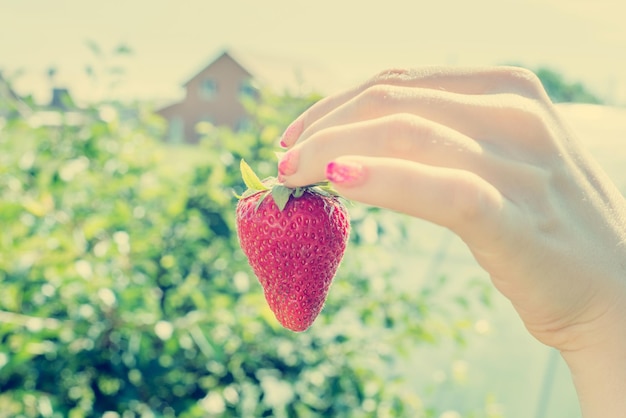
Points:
[346,172]
[289,163]
[292,133]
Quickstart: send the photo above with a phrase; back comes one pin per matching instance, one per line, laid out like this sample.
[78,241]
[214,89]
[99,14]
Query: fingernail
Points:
[289,163]
[292,133]
[345,173]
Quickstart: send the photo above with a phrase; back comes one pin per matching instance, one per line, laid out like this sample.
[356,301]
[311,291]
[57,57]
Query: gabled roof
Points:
[221,56]
[280,73]
[290,74]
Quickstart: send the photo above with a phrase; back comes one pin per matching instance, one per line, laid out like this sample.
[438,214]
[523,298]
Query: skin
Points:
[484,153]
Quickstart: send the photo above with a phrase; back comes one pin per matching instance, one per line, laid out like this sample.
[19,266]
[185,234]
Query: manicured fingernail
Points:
[289,163]
[345,172]
[292,133]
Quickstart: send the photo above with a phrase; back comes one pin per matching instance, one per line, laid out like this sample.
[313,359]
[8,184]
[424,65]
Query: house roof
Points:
[61,99]
[222,55]
[279,73]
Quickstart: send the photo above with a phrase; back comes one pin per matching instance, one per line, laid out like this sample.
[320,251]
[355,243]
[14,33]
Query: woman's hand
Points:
[485,154]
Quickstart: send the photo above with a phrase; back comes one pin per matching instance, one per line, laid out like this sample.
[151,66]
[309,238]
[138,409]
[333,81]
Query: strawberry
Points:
[294,240]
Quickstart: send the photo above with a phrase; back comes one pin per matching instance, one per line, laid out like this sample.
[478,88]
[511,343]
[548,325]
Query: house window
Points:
[247,89]
[176,130]
[208,89]
[207,119]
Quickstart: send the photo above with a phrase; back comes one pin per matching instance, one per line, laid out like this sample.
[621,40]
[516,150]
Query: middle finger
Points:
[401,136]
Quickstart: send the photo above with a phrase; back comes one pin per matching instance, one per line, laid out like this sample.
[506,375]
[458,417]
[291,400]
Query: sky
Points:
[585,40]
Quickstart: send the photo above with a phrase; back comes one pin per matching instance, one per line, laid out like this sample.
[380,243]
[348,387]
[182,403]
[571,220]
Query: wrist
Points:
[598,365]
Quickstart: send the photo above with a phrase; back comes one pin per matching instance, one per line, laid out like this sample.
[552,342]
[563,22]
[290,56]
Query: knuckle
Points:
[523,81]
[472,204]
[389,76]
[527,115]
[524,108]
[405,135]
[376,93]
[372,100]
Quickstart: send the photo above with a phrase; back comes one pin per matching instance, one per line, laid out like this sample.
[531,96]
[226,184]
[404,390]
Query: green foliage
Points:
[123,288]
[561,90]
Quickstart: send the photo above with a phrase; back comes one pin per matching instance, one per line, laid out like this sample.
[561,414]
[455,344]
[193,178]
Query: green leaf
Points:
[250,178]
[327,188]
[261,199]
[298,192]
[281,195]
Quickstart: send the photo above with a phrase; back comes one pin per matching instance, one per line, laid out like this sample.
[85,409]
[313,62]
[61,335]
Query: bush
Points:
[124,291]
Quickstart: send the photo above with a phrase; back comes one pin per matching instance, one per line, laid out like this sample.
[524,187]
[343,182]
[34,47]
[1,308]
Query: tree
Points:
[561,90]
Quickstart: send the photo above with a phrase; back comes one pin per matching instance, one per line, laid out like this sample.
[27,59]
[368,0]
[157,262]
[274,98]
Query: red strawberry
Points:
[294,240]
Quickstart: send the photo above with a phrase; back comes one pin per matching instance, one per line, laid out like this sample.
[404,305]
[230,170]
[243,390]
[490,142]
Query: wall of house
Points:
[213,95]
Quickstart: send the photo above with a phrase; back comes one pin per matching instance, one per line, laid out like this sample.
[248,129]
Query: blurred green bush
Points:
[123,291]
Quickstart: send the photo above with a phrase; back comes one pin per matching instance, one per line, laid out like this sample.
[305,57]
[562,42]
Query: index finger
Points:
[492,80]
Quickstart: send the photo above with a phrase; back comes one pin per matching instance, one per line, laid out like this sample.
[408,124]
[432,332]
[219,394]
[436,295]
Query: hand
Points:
[485,154]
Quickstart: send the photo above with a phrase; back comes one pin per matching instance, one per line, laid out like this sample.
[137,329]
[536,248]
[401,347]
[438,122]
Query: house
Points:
[60,111]
[61,99]
[213,95]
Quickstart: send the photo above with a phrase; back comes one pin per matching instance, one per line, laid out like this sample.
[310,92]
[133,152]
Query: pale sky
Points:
[585,40]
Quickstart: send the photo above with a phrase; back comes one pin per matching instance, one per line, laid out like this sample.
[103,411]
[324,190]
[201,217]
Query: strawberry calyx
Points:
[279,192]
